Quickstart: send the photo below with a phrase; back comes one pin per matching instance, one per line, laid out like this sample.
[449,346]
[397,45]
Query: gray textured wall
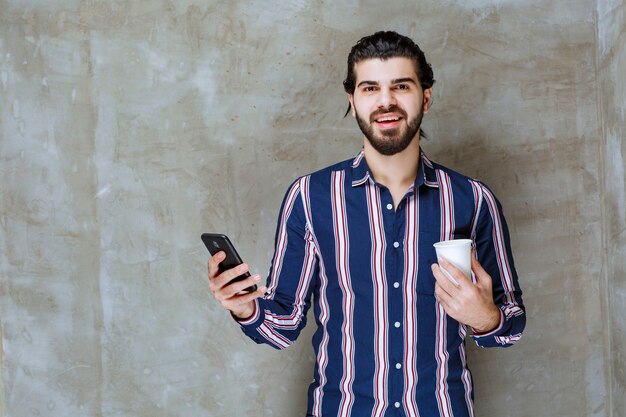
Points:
[612,103]
[127,128]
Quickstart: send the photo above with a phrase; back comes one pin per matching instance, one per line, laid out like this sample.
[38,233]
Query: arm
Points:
[277,318]
[493,249]
[492,305]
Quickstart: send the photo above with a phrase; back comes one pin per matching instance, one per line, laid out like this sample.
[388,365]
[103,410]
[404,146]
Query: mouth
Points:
[388,121]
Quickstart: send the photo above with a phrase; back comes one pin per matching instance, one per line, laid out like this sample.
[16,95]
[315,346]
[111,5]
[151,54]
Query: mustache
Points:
[390,109]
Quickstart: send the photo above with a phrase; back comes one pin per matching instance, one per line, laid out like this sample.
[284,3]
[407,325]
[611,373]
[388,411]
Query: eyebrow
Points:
[367,83]
[394,81]
[404,80]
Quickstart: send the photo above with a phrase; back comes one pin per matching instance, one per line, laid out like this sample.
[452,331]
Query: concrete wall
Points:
[127,128]
[612,104]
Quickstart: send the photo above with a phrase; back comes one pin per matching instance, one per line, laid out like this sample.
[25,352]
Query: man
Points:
[356,239]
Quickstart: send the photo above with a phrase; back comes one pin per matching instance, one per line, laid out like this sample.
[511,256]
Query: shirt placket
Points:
[394,224]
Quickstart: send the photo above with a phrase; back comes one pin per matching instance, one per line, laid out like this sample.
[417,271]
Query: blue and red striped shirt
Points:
[384,346]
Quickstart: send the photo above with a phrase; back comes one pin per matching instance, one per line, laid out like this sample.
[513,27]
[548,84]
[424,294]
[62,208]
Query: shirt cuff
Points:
[249,320]
[492,332]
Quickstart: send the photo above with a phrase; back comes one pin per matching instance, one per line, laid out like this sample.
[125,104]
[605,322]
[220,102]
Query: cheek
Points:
[412,103]
[361,111]
[363,105]
[356,108]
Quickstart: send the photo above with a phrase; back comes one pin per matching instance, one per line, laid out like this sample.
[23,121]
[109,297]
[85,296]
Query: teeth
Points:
[388,119]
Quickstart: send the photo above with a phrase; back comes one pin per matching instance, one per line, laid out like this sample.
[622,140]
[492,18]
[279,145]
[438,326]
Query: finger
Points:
[445,290]
[243,297]
[251,296]
[452,269]
[441,292]
[444,278]
[227,276]
[214,262]
[231,290]
[443,297]
[235,303]
[441,279]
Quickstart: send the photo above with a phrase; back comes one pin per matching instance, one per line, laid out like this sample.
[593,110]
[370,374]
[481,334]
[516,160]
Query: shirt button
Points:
[398,365]
[397,404]
[396,285]
[396,244]
[397,324]
[389,206]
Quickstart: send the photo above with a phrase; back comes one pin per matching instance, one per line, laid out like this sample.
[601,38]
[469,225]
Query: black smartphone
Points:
[216,242]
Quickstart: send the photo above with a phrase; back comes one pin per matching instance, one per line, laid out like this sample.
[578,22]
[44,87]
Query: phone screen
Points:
[215,242]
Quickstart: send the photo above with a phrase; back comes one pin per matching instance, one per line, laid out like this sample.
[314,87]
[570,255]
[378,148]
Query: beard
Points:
[390,141]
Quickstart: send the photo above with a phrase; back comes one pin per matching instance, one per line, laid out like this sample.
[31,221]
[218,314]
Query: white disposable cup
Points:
[458,253]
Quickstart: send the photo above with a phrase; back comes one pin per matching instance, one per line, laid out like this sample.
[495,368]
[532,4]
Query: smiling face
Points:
[389,103]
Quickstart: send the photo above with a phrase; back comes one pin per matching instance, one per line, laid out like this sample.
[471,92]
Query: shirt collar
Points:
[425,175]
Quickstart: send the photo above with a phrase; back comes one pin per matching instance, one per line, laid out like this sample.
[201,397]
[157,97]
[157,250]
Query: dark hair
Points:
[385,45]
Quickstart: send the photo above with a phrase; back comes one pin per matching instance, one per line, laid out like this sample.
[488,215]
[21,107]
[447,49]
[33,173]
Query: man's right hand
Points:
[232,297]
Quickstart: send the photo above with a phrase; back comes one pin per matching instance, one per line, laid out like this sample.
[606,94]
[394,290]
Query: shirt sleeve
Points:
[493,249]
[280,315]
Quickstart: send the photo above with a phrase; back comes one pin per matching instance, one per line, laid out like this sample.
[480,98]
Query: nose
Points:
[386,98]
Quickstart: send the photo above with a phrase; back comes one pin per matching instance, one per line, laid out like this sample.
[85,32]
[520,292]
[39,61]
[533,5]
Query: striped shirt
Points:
[384,346]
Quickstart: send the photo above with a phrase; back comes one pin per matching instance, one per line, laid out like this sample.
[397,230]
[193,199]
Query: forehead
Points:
[381,71]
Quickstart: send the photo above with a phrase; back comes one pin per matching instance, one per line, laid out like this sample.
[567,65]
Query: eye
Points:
[402,87]
[369,89]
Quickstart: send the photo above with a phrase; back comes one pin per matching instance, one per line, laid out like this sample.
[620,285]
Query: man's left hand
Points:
[468,303]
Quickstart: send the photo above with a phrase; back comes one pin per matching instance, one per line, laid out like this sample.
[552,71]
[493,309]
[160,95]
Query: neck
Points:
[396,172]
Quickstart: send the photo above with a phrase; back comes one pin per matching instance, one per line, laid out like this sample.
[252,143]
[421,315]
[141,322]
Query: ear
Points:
[351,100]
[428,95]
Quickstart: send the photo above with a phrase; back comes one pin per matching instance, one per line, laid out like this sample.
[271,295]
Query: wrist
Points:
[245,312]
[492,323]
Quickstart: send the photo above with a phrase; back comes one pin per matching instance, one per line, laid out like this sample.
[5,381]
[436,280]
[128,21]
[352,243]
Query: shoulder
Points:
[453,175]
[461,184]
[466,188]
